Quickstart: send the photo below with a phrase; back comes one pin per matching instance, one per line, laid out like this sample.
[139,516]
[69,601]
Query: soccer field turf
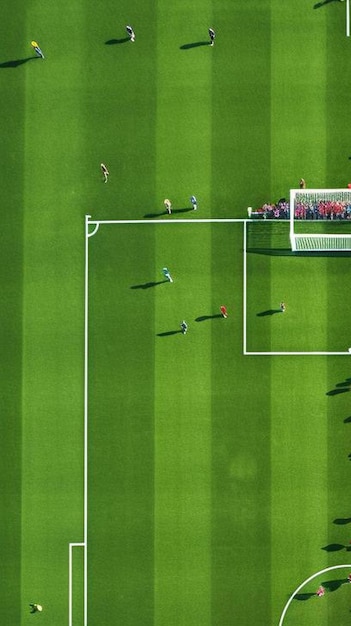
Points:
[217,482]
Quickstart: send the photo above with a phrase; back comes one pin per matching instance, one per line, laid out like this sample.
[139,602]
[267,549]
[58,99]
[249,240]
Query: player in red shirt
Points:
[223,310]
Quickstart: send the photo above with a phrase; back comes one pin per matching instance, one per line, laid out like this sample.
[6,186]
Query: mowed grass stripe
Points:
[240,170]
[338,74]
[120,110]
[184,106]
[298,89]
[121,425]
[240,450]
[12,98]
[183,429]
[299,475]
[53,305]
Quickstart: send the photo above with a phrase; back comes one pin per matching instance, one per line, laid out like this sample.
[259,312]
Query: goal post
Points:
[320,220]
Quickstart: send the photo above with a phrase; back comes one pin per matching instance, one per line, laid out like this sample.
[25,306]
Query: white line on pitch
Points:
[164,221]
[322,571]
[295,353]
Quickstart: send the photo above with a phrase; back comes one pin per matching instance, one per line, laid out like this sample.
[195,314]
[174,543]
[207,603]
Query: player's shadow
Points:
[333,585]
[340,521]
[156,214]
[17,62]
[318,5]
[148,285]
[337,392]
[268,312]
[303,596]
[347,420]
[148,215]
[112,42]
[168,333]
[202,318]
[195,44]
[334,547]
[186,210]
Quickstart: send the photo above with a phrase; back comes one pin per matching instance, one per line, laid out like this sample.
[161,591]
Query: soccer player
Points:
[223,310]
[35,46]
[131,33]
[167,274]
[282,307]
[193,202]
[320,591]
[302,183]
[105,172]
[184,327]
[168,205]
[35,608]
[212,35]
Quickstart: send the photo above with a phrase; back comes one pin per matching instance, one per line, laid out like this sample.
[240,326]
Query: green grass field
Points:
[216,482]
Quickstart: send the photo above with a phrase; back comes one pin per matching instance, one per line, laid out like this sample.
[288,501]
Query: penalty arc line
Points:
[322,571]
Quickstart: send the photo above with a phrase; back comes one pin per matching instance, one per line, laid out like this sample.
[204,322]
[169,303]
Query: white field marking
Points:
[322,571]
[70,584]
[176,221]
[347,18]
[294,353]
[244,289]
[85,515]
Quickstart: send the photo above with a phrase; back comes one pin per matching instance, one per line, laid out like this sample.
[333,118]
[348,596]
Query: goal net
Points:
[320,220]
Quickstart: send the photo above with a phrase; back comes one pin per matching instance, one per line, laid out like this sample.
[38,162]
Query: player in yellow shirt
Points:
[37,49]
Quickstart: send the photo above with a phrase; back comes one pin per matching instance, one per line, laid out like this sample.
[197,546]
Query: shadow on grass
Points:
[168,333]
[336,392]
[186,210]
[334,547]
[306,253]
[156,214]
[148,285]
[268,312]
[303,596]
[342,520]
[333,585]
[347,420]
[17,62]
[195,44]
[318,5]
[202,318]
[113,42]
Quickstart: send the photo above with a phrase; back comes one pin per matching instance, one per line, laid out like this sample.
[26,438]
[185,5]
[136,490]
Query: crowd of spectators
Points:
[305,209]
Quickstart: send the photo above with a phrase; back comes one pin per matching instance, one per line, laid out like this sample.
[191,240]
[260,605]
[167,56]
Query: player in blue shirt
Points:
[167,274]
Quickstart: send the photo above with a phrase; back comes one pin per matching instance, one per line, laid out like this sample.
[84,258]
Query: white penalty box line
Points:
[272,352]
[244,221]
[72,545]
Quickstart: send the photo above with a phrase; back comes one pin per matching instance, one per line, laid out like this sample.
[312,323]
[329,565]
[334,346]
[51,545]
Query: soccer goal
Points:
[320,220]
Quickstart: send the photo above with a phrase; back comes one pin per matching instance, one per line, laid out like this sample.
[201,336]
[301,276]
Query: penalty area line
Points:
[296,353]
[164,221]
